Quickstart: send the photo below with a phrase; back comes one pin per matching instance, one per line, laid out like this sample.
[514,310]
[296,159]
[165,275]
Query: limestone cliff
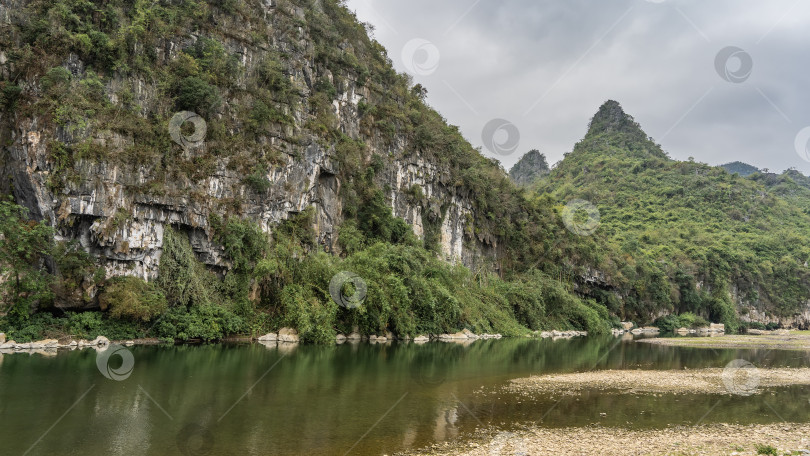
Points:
[117,202]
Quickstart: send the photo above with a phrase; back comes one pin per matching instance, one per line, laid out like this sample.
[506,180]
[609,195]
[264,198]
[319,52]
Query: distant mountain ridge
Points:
[743,169]
[529,168]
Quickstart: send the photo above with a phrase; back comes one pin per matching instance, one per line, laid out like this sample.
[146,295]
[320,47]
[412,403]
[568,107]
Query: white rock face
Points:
[268,337]
[127,227]
[119,212]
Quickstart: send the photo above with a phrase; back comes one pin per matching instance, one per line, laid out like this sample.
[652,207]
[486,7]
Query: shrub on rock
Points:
[132,297]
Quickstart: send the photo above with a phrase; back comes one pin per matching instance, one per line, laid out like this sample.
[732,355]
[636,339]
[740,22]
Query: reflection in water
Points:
[299,399]
[446,424]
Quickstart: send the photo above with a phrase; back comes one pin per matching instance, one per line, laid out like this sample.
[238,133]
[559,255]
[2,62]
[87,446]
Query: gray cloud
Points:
[547,66]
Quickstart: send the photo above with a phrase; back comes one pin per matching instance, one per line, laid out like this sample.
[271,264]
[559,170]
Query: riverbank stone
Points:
[47,343]
[561,334]
[717,327]
[288,335]
[100,340]
[627,325]
[646,330]
[269,337]
[456,336]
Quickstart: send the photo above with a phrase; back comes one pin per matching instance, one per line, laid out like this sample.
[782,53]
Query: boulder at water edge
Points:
[288,335]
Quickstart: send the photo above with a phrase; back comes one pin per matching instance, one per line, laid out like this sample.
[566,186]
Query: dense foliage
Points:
[409,292]
[24,246]
[685,236]
[675,236]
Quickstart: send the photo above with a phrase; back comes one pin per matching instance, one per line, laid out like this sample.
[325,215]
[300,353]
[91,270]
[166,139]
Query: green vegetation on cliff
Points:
[286,282]
[529,168]
[87,62]
[685,236]
[674,236]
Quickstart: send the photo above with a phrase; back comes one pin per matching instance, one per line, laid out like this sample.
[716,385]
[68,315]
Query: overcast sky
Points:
[544,67]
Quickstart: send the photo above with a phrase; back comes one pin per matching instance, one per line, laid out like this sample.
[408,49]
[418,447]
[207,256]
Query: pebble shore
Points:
[701,381]
[716,439]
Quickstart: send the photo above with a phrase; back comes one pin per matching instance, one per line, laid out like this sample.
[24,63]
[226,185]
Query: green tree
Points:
[24,246]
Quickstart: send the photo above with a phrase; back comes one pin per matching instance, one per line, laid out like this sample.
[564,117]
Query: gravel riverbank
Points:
[789,341]
[710,381]
[720,439]
[711,439]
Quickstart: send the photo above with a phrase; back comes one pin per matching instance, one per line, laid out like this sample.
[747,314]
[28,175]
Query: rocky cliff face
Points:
[111,207]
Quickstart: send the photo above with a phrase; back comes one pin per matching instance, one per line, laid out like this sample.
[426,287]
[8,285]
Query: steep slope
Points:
[297,101]
[791,185]
[693,238]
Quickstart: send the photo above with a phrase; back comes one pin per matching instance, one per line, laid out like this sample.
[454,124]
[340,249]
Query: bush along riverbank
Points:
[385,282]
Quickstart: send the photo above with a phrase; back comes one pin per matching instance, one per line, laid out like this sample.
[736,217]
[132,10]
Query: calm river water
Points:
[350,399]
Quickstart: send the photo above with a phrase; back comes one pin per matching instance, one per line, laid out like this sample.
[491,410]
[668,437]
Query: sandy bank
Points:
[744,380]
[718,439]
[790,341]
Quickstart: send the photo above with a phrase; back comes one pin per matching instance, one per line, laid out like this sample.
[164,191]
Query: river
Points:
[364,399]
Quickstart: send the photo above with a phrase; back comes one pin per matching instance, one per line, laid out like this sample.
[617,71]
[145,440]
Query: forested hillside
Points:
[318,158]
[691,237]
